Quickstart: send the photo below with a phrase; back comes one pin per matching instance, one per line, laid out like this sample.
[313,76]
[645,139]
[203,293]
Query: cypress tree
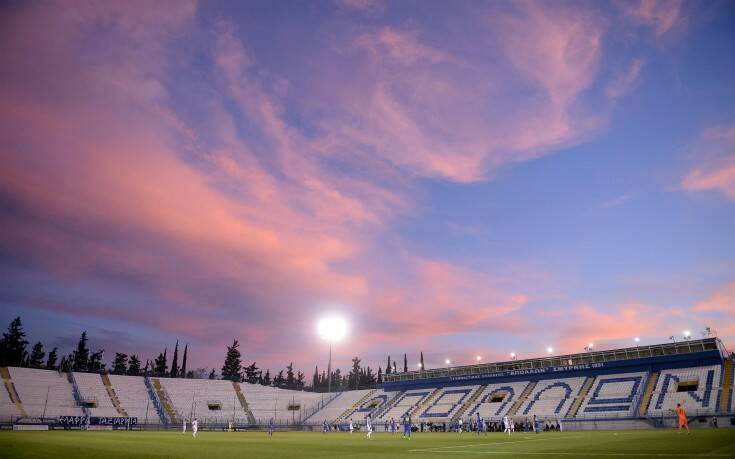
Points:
[267,378]
[175,361]
[422,361]
[387,368]
[212,374]
[405,363]
[380,375]
[183,362]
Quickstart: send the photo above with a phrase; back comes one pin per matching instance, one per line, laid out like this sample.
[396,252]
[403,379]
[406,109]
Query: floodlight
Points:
[478,358]
[687,333]
[419,365]
[549,350]
[637,340]
[448,362]
[332,328]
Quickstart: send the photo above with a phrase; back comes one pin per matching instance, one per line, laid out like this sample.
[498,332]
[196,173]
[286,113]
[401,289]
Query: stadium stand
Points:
[94,395]
[612,395]
[497,399]
[283,406]
[134,398]
[44,393]
[693,388]
[635,385]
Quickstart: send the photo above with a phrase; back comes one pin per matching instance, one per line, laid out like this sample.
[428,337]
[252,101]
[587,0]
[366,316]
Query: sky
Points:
[459,178]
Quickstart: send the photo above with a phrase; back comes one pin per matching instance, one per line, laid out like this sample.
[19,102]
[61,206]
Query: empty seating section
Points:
[93,393]
[206,400]
[8,410]
[339,405]
[613,395]
[677,386]
[36,387]
[405,403]
[269,402]
[370,406]
[134,399]
[496,400]
[446,403]
[552,397]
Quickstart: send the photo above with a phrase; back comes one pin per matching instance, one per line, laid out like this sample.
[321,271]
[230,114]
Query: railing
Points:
[657,350]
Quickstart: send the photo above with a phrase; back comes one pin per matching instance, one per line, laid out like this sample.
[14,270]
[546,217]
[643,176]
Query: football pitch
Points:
[286,445]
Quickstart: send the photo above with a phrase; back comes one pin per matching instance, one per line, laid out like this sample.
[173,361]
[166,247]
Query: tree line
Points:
[14,351]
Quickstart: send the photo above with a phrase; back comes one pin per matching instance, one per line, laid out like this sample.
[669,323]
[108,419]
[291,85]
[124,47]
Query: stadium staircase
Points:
[415,412]
[726,387]
[77,393]
[648,394]
[154,398]
[354,407]
[463,409]
[113,396]
[522,398]
[572,413]
[164,400]
[387,405]
[10,387]
[243,402]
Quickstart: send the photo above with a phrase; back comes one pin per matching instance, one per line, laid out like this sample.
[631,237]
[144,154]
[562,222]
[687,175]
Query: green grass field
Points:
[598,444]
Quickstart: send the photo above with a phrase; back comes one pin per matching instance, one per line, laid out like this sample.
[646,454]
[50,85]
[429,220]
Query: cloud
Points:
[717,170]
[660,15]
[210,194]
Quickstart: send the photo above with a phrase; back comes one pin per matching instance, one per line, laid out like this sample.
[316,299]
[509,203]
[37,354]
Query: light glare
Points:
[549,350]
[332,328]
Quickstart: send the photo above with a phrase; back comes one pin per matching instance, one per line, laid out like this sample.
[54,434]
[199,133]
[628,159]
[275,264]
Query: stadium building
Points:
[635,387]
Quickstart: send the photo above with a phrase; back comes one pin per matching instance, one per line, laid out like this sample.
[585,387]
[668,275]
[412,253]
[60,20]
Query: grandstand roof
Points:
[570,361]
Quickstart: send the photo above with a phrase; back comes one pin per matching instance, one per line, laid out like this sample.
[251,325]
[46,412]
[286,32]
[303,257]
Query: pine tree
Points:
[13,345]
[369,377]
[290,382]
[387,368]
[354,376]
[212,374]
[267,378]
[134,365]
[37,355]
[80,357]
[160,365]
[183,363]
[279,380]
[120,364]
[380,375]
[52,357]
[96,363]
[232,368]
[251,373]
[405,363]
[300,380]
[175,362]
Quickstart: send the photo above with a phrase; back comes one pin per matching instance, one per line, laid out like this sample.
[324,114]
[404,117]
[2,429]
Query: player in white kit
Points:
[369,426]
[194,427]
[184,431]
[352,427]
[506,423]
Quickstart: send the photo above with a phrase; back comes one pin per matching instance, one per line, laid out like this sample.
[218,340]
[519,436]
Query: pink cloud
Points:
[717,171]
[660,15]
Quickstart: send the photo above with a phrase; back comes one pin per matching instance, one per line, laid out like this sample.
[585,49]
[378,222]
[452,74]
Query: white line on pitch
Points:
[500,443]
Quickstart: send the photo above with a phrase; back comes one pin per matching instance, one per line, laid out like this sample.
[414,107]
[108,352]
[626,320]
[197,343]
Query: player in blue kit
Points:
[271,427]
[407,427]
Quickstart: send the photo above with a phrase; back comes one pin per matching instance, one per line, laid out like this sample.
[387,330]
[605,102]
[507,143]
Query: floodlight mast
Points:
[331,329]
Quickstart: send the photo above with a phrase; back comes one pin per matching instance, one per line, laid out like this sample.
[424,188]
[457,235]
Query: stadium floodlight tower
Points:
[331,329]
